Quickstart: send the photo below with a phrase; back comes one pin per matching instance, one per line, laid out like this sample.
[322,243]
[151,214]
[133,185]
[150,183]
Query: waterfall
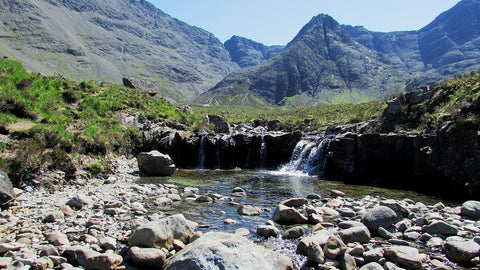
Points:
[217,151]
[308,156]
[263,151]
[201,153]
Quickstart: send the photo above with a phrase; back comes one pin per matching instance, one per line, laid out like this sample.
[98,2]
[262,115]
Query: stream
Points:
[265,189]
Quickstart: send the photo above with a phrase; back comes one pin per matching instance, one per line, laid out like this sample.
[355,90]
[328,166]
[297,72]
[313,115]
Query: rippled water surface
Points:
[265,189]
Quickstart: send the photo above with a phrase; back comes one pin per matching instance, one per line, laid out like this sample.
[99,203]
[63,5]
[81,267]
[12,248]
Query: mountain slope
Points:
[447,46]
[453,37]
[333,63]
[111,39]
[322,63]
[248,53]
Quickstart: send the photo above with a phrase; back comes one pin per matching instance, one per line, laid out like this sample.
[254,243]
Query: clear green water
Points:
[265,189]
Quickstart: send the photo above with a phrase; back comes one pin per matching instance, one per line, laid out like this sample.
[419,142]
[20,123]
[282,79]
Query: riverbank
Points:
[96,220]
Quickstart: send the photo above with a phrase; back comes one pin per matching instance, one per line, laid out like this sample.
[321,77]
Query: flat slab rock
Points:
[216,250]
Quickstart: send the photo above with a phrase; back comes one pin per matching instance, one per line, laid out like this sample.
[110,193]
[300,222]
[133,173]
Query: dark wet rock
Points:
[288,215]
[440,227]
[6,190]
[267,231]
[294,233]
[79,201]
[295,202]
[154,163]
[461,250]
[248,210]
[471,209]
[203,199]
[220,123]
[379,216]
[226,251]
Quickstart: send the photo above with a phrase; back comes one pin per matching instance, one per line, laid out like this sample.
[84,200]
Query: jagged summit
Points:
[322,63]
[329,62]
[246,52]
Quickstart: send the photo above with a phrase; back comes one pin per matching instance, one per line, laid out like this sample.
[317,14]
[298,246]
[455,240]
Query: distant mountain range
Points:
[333,63]
[326,61]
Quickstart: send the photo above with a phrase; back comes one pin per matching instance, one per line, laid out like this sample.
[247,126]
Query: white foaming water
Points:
[307,157]
[201,153]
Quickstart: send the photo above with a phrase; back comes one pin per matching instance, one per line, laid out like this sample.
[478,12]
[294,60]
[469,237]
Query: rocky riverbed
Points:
[108,224]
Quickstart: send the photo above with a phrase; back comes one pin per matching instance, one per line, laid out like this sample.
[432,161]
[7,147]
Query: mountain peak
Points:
[246,52]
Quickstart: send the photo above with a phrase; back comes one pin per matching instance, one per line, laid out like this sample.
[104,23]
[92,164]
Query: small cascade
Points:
[263,152]
[201,153]
[308,156]
[217,151]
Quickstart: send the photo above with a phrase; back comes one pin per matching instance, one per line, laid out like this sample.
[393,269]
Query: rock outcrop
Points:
[220,151]
[154,163]
[6,190]
[439,164]
[248,53]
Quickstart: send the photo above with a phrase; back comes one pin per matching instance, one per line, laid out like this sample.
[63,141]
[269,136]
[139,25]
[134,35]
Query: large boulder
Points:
[288,215]
[6,190]
[408,257]
[147,258]
[161,233]
[471,209]
[461,250]
[220,124]
[355,234]
[440,227]
[379,216]
[216,250]
[154,163]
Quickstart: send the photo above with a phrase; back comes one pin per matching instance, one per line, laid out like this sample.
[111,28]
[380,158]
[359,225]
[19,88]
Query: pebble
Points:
[90,228]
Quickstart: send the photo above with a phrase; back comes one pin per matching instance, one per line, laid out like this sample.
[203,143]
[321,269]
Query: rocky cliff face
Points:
[111,39]
[328,62]
[445,47]
[324,63]
[247,53]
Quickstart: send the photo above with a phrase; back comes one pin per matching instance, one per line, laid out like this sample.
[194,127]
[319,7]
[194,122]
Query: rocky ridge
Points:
[323,63]
[248,53]
[109,40]
[327,62]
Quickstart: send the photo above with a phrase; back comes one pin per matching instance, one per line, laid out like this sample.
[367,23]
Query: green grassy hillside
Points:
[55,123]
[50,123]
[455,101]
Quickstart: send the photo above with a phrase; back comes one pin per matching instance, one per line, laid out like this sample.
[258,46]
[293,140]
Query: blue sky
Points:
[278,21]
